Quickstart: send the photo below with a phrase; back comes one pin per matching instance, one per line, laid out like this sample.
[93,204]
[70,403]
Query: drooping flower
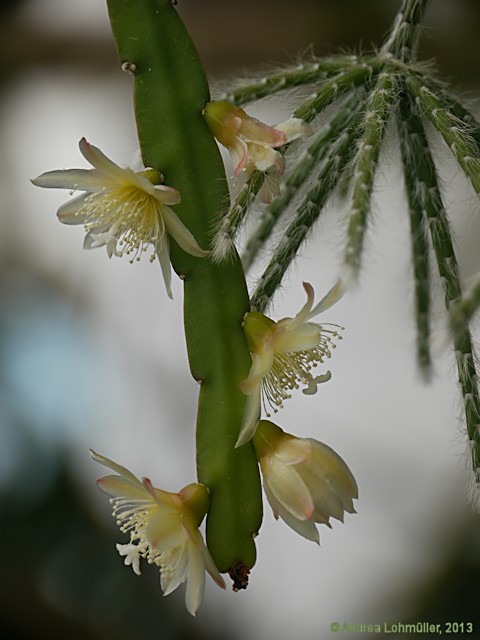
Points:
[122,210]
[163,530]
[284,354]
[304,480]
[253,144]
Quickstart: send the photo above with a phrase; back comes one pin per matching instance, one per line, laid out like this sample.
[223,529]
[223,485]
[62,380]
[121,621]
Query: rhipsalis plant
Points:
[181,206]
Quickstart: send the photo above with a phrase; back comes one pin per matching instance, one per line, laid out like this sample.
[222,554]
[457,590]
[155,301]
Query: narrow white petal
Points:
[181,234]
[99,160]
[114,466]
[196,579]
[305,528]
[300,338]
[73,179]
[294,128]
[251,416]
[118,486]
[287,487]
[162,248]
[174,569]
[67,213]
[333,296]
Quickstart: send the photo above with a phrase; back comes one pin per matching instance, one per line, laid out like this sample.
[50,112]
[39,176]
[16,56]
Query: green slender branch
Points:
[170,91]
[463,310]
[453,130]
[335,159]
[417,156]
[402,41]
[332,90]
[418,235]
[310,72]
[322,145]
[377,112]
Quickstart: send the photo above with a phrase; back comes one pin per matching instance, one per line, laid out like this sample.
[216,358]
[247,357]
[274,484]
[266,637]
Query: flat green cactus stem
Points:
[170,91]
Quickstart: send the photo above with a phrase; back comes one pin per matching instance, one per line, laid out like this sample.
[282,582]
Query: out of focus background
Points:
[92,355]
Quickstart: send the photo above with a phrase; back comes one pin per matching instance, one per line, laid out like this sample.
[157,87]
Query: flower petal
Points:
[258,132]
[263,157]
[119,487]
[251,416]
[287,487]
[74,179]
[196,579]
[181,234]
[300,338]
[164,531]
[114,466]
[68,213]
[294,128]
[174,570]
[99,160]
[305,528]
[333,296]
[162,248]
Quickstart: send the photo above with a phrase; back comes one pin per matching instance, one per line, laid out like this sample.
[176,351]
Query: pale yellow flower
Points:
[163,529]
[284,353]
[122,210]
[304,480]
[253,144]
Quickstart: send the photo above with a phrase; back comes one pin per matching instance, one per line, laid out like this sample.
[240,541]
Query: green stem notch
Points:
[170,92]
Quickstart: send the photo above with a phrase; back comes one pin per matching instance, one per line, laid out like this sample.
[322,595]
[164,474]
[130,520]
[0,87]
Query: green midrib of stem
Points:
[170,92]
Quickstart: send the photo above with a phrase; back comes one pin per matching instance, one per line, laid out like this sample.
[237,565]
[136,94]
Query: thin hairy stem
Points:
[335,159]
[418,235]
[322,145]
[402,41]
[463,310]
[419,158]
[453,130]
[377,112]
[310,72]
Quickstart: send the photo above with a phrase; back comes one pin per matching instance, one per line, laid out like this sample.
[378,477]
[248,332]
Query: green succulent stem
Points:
[170,92]
[419,166]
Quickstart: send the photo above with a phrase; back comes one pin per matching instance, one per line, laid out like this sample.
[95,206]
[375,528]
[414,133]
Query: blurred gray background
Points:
[92,355]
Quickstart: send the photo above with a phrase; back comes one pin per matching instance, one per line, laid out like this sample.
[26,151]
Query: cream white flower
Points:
[163,530]
[253,144]
[122,210]
[304,480]
[284,354]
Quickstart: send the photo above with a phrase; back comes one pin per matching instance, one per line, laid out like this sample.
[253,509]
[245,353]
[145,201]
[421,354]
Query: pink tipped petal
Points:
[239,152]
[258,132]
[167,195]
[333,296]
[99,160]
